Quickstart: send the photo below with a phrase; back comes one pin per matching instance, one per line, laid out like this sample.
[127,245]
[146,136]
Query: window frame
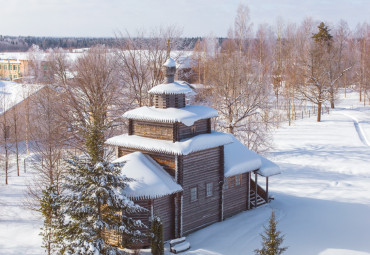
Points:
[192,199]
[238,180]
[209,189]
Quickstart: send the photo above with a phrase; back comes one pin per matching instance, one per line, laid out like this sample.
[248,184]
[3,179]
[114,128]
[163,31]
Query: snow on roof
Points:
[12,93]
[170,62]
[268,168]
[171,89]
[150,179]
[187,115]
[184,62]
[10,61]
[239,159]
[183,147]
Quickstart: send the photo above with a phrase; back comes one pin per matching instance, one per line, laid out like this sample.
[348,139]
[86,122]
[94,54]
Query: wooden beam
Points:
[256,190]
[130,127]
[267,190]
[175,197]
[249,190]
[221,182]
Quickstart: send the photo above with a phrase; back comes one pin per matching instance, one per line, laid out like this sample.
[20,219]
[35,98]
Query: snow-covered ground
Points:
[19,227]
[322,198]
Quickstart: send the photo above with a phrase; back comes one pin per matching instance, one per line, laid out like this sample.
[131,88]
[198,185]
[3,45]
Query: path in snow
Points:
[358,128]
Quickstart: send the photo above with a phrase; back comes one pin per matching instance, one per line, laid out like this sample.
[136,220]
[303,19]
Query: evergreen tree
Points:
[93,203]
[53,219]
[157,237]
[272,239]
[323,35]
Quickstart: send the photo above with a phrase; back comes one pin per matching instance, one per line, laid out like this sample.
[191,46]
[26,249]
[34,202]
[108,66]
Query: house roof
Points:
[150,179]
[187,115]
[239,159]
[171,89]
[183,147]
[12,93]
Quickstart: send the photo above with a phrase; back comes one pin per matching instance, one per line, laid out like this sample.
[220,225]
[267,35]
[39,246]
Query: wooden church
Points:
[185,173]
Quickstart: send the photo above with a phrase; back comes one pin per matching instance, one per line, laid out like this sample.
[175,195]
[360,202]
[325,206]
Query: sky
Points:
[97,18]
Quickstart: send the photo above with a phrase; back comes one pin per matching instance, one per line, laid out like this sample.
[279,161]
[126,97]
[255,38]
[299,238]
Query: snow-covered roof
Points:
[171,89]
[170,62]
[268,168]
[184,62]
[183,147]
[187,115]
[12,93]
[10,61]
[150,179]
[239,159]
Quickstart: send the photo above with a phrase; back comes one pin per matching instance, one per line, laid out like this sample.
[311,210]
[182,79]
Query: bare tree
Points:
[140,60]
[5,132]
[242,28]
[15,122]
[49,148]
[239,93]
[362,55]
[90,99]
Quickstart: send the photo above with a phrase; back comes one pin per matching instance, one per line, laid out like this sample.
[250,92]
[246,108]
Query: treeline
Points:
[23,43]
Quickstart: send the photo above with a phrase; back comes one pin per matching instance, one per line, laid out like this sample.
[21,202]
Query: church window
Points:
[193,194]
[237,180]
[209,189]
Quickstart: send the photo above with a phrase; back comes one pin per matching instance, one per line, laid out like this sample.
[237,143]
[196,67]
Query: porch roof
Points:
[150,179]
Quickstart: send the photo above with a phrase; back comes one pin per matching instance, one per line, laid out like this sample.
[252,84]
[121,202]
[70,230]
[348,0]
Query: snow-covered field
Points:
[322,198]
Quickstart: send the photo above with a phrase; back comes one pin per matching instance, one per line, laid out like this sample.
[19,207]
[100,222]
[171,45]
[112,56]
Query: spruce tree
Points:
[272,240]
[50,209]
[93,203]
[323,36]
[157,237]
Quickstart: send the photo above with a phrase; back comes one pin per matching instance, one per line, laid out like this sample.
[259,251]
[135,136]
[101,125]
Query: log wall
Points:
[112,237]
[145,217]
[236,197]
[156,130]
[168,131]
[200,168]
[200,127]
[164,208]
[167,101]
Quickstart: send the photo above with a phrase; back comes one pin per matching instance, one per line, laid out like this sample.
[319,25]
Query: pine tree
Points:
[272,239]
[323,35]
[157,237]
[53,219]
[92,203]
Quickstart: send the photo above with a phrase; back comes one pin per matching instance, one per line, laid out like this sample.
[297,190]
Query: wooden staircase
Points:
[261,195]
[260,200]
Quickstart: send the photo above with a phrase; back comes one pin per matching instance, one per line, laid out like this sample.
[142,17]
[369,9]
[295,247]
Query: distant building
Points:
[15,105]
[12,69]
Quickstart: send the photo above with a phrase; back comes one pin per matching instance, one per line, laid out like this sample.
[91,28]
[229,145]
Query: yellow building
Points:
[12,69]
